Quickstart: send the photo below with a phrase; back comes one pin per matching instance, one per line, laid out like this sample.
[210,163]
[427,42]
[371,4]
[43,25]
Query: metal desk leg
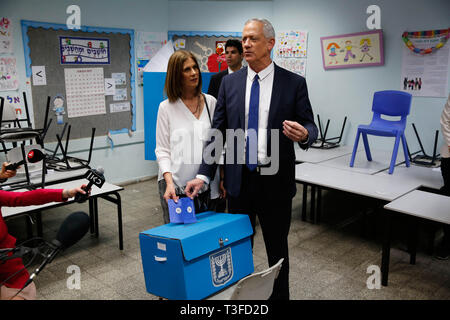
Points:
[313,204]
[95,206]
[412,243]
[118,202]
[386,248]
[319,205]
[305,199]
[91,216]
[39,224]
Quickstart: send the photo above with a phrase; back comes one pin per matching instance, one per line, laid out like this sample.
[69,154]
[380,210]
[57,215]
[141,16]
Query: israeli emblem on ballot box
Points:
[221,267]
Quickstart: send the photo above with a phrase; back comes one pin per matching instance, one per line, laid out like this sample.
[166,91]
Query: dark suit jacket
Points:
[214,84]
[289,102]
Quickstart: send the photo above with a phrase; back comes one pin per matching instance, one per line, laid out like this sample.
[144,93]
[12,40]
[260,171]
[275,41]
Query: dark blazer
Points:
[289,102]
[214,84]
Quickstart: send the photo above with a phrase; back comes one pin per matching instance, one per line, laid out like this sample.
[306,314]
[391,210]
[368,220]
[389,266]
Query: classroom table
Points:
[380,161]
[315,155]
[336,169]
[427,177]
[106,192]
[419,204]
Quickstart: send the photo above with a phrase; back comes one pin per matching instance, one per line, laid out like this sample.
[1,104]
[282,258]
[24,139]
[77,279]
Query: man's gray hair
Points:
[268,30]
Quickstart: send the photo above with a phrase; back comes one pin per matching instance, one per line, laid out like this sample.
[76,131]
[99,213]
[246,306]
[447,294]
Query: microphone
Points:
[33,156]
[95,177]
[73,228]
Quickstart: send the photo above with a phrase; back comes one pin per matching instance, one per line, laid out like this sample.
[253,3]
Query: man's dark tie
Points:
[252,138]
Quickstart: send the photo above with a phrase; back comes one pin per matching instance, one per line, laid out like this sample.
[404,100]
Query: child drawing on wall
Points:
[349,53]
[365,47]
[332,48]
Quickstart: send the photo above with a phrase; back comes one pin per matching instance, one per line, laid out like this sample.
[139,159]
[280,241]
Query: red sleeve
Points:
[28,198]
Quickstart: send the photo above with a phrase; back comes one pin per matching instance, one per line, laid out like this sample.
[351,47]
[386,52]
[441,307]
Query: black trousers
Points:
[445,170]
[259,198]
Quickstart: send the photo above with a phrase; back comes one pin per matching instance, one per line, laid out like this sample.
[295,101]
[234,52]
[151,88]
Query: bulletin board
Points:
[81,66]
[208,47]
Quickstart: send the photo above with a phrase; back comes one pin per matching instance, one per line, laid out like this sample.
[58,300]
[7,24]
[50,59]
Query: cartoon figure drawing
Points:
[332,48]
[365,47]
[349,53]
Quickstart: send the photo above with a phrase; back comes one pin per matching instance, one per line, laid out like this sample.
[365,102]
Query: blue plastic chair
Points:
[390,103]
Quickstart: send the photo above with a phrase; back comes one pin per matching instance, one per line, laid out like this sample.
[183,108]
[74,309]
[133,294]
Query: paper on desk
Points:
[160,60]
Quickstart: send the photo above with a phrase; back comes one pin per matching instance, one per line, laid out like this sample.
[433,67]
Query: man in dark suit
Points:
[233,56]
[261,101]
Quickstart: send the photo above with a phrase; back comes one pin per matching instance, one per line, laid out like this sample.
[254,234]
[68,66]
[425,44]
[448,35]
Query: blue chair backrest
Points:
[392,103]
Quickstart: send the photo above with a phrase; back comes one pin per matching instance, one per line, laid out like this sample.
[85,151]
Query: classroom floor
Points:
[328,260]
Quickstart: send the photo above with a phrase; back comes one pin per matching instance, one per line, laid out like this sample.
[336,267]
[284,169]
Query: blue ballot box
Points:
[193,261]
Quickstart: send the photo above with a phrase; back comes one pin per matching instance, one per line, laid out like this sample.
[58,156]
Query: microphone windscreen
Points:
[73,228]
[35,155]
[100,171]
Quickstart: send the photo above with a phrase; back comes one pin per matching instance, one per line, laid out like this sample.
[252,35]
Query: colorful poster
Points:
[148,43]
[15,103]
[425,74]
[75,50]
[296,65]
[291,44]
[8,74]
[85,91]
[361,49]
[6,37]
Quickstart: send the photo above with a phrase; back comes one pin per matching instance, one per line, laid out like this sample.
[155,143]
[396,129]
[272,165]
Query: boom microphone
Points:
[33,156]
[73,228]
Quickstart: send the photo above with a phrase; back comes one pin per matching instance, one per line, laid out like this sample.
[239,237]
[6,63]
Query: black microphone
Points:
[33,156]
[73,228]
[95,177]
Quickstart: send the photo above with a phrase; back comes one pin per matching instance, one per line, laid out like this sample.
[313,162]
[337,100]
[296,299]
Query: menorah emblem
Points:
[221,267]
[220,261]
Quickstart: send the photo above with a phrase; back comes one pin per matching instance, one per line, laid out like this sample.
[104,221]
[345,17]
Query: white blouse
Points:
[445,128]
[180,138]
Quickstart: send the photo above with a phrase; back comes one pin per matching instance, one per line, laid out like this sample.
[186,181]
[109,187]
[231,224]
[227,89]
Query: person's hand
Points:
[295,131]
[222,190]
[170,193]
[193,187]
[6,174]
[70,193]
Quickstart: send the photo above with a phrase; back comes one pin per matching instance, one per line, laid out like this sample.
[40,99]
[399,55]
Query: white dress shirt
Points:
[265,95]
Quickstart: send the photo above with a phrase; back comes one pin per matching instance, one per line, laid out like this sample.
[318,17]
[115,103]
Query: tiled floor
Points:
[328,261]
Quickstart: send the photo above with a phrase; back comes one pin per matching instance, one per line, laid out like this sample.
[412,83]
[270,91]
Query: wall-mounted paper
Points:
[120,78]
[119,107]
[120,95]
[6,38]
[425,75]
[110,87]
[8,74]
[39,76]
[148,43]
[160,60]
[77,50]
[85,91]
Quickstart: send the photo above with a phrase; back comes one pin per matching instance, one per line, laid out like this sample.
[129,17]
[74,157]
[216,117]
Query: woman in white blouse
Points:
[183,123]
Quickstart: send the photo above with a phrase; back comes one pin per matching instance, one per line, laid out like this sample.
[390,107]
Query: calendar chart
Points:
[85,90]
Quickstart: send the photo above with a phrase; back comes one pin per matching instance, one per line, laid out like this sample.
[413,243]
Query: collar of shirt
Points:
[262,74]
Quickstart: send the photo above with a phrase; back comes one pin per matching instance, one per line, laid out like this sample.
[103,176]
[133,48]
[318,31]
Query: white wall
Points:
[337,93]
[344,92]
[126,161]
